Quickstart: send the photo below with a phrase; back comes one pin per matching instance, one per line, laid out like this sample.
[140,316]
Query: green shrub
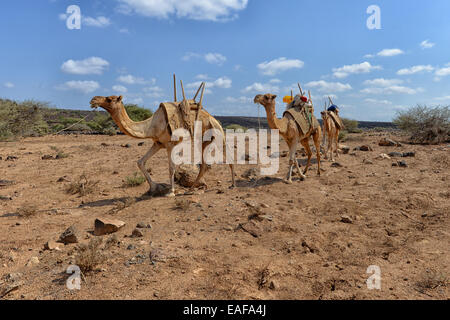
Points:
[22,119]
[342,135]
[134,180]
[137,113]
[351,126]
[425,124]
[236,127]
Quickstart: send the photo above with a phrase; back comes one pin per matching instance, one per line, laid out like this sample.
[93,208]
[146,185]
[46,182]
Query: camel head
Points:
[110,104]
[324,115]
[267,100]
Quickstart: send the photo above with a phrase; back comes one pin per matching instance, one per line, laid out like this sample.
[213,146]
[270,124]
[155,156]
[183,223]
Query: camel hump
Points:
[177,119]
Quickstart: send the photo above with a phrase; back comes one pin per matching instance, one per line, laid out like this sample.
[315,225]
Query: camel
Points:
[291,134]
[155,128]
[331,131]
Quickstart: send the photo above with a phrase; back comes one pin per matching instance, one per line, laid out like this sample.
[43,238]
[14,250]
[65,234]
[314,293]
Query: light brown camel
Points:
[155,128]
[292,135]
[331,132]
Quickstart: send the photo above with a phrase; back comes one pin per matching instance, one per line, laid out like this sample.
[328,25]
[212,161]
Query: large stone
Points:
[51,245]
[69,236]
[385,142]
[107,226]
[395,154]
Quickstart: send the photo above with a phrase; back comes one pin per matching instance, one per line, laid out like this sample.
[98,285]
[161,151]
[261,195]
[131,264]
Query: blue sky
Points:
[239,47]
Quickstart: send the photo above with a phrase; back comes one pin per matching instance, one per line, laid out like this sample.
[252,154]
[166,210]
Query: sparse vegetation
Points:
[22,119]
[236,127]
[90,255]
[134,180]
[27,211]
[182,204]
[351,126]
[342,135]
[425,125]
[137,113]
[82,186]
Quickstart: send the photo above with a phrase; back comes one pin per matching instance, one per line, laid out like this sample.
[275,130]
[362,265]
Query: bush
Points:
[90,255]
[137,113]
[134,180]
[82,186]
[342,136]
[22,119]
[236,127]
[426,125]
[351,126]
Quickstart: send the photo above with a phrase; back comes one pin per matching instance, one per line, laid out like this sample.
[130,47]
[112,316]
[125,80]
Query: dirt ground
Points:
[313,239]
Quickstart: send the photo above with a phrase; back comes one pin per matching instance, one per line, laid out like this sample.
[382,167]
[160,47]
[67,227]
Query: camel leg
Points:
[233,183]
[330,145]
[172,168]
[292,161]
[203,167]
[337,143]
[141,164]
[305,144]
[316,139]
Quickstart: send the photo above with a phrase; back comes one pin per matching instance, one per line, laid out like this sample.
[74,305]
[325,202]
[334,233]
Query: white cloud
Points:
[442,72]
[9,85]
[135,101]
[377,101]
[222,82]
[81,86]
[262,88]
[154,92]
[241,100]
[275,66]
[390,52]
[124,30]
[202,77]
[119,89]
[381,82]
[391,90]
[275,81]
[212,58]
[445,98]
[92,65]
[215,58]
[100,22]
[212,10]
[368,56]
[130,79]
[427,44]
[325,86]
[345,71]
[415,69]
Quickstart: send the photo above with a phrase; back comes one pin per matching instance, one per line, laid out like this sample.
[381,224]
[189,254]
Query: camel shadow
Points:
[263,181]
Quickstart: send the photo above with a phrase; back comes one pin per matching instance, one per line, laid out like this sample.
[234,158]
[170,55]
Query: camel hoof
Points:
[302,178]
[170,195]
[288,181]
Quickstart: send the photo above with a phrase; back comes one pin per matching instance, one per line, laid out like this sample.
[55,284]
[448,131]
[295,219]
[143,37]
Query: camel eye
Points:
[108,99]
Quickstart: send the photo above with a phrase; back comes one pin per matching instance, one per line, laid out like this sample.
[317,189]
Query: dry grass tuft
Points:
[27,211]
[90,255]
[182,204]
[134,180]
[82,186]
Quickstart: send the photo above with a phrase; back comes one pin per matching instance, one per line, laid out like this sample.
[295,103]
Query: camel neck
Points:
[128,126]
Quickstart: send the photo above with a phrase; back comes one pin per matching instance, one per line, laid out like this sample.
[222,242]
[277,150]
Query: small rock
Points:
[346,219]
[394,164]
[11,158]
[47,157]
[365,148]
[140,144]
[383,156]
[367,161]
[13,277]
[273,285]
[424,215]
[402,164]
[131,247]
[408,154]
[33,261]
[395,154]
[63,179]
[385,142]
[345,149]
[336,165]
[51,245]
[126,145]
[107,226]
[143,225]
[69,236]
[265,206]
[137,233]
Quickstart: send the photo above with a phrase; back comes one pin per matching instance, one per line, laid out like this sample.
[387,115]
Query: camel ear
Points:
[120,98]
[274,96]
